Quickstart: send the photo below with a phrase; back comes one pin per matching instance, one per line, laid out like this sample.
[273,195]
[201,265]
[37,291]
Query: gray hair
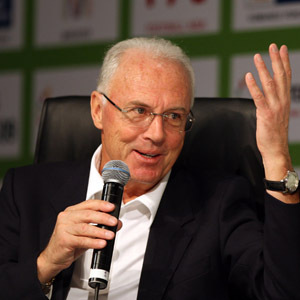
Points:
[156,46]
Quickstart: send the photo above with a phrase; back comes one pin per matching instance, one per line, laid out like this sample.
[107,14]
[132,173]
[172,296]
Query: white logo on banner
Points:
[242,64]
[11,23]
[249,14]
[61,82]
[74,21]
[174,17]
[206,76]
[10,114]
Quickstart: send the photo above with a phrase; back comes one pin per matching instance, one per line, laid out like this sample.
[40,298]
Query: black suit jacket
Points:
[205,242]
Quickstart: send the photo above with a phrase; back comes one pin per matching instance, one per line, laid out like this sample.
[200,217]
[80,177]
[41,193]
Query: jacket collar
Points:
[67,186]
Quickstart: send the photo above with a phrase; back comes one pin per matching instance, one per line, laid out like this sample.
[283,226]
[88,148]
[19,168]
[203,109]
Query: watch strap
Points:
[288,185]
[278,186]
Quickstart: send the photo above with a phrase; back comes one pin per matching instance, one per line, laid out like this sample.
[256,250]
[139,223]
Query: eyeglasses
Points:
[141,116]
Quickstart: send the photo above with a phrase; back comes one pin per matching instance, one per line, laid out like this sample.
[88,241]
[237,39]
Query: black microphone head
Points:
[116,170]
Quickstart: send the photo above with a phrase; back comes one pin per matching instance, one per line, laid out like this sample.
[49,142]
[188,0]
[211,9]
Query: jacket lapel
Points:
[170,235]
[67,187]
[72,189]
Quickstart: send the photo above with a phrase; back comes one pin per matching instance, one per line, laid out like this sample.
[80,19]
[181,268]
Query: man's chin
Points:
[145,180]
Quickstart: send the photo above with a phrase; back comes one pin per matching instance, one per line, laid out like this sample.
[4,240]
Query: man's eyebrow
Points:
[143,104]
[137,103]
[177,108]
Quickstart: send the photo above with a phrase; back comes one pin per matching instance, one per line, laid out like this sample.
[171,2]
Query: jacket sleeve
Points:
[263,259]
[18,278]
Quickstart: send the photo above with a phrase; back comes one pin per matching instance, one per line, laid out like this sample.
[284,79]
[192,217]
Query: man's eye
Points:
[174,116]
[139,110]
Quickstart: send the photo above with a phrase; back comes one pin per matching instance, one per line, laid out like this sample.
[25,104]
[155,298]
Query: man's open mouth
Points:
[148,155]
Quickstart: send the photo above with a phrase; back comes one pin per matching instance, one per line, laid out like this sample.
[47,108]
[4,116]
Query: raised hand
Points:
[272,112]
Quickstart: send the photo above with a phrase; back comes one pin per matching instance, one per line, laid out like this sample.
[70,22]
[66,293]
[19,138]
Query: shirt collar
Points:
[95,184]
[152,198]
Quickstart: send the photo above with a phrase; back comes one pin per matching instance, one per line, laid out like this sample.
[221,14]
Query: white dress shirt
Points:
[130,243]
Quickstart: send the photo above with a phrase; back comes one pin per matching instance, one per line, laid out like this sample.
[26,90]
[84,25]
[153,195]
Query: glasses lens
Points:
[189,122]
[175,119]
[141,117]
[137,115]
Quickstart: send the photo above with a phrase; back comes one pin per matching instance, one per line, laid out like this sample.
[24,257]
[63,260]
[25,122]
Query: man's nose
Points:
[156,129]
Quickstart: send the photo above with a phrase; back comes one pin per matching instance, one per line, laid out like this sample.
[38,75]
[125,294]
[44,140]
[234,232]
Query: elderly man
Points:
[182,237]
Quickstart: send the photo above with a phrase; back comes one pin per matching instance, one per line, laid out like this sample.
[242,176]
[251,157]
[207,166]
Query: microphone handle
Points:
[101,261]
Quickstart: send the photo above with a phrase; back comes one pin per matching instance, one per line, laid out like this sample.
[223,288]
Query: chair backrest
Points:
[222,138]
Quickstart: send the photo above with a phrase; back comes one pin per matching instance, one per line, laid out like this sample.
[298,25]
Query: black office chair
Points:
[222,138]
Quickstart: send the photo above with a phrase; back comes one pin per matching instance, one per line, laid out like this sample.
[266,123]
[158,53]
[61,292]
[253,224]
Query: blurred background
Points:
[55,48]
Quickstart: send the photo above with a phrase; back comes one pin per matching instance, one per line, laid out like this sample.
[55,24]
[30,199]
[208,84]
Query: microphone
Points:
[115,175]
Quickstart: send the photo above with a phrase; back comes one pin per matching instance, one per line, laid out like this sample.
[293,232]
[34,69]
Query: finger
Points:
[255,92]
[62,247]
[280,76]
[65,239]
[99,205]
[267,82]
[87,243]
[120,225]
[86,216]
[92,231]
[284,54]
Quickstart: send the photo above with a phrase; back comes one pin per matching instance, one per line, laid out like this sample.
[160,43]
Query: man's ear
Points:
[97,109]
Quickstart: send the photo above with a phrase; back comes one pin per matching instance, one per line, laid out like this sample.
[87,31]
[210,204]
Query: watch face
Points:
[292,181]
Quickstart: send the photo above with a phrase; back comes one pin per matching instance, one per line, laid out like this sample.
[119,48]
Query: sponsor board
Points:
[174,17]
[260,14]
[10,115]
[11,23]
[206,76]
[76,21]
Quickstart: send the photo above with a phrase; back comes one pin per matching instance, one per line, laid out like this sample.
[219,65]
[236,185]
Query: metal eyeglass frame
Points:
[189,121]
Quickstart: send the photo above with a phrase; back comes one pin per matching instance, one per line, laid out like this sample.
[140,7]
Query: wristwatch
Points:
[46,287]
[288,185]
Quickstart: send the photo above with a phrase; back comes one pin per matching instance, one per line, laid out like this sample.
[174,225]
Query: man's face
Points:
[160,85]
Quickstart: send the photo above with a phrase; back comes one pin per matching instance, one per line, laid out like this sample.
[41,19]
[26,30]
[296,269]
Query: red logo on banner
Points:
[77,9]
[151,3]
